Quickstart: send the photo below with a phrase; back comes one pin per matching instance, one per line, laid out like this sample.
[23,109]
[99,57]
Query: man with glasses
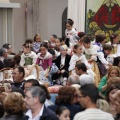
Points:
[88,95]
[34,100]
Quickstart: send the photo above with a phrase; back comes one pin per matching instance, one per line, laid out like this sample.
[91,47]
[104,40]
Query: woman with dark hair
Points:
[65,98]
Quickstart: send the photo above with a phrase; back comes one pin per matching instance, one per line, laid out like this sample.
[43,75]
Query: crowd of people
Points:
[84,74]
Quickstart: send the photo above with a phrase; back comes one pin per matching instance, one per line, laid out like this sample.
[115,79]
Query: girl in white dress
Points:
[70,32]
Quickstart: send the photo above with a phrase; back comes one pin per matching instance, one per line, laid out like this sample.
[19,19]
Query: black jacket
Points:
[13,117]
[47,115]
[67,60]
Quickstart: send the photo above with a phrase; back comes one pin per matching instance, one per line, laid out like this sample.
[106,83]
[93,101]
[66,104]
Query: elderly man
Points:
[34,99]
[18,77]
[88,96]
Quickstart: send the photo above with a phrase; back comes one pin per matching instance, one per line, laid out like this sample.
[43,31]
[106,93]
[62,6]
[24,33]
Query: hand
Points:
[110,65]
[59,71]
[62,71]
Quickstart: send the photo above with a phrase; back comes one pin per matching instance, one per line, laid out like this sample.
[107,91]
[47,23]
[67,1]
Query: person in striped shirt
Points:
[88,95]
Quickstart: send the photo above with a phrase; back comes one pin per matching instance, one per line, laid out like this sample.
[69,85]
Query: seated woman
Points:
[112,72]
[116,61]
[65,98]
[13,106]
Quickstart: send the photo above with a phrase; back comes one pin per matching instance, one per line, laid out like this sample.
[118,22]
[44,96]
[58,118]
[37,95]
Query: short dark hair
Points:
[91,91]
[100,38]
[86,40]
[54,36]
[116,61]
[20,69]
[6,46]
[81,66]
[107,47]
[70,22]
[34,82]
[44,44]
[81,34]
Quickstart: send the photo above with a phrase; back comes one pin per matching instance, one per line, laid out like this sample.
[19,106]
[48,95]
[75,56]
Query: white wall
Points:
[50,20]
[51,17]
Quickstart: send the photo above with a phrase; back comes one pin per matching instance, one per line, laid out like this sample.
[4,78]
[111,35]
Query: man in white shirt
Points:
[85,76]
[88,96]
[34,100]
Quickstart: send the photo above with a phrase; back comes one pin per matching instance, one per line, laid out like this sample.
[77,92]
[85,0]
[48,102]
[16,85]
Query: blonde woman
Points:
[112,72]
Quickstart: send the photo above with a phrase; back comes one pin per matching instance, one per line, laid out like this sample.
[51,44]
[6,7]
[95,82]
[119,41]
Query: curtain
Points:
[76,11]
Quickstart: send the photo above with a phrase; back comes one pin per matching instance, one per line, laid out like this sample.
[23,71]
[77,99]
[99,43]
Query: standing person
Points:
[37,43]
[28,57]
[88,100]
[14,106]
[66,95]
[34,101]
[70,32]
[44,57]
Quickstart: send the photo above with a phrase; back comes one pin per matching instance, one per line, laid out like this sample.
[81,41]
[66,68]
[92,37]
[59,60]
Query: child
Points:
[44,57]
[70,32]
[63,113]
[28,57]
[58,43]
[52,40]
[37,43]
[62,62]
[91,55]
[114,38]
[78,56]
[101,61]
[107,50]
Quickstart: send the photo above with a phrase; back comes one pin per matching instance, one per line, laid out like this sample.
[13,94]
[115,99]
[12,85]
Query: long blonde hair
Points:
[113,68]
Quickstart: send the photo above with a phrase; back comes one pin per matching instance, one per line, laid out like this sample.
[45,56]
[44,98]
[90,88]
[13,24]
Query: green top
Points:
[103,82]
[28,61]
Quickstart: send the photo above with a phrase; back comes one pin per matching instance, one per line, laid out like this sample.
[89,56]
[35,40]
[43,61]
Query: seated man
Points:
[86,76]
[18,77]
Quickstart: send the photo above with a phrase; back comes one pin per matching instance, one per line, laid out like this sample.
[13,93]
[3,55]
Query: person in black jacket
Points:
[62,62]
[34,100]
